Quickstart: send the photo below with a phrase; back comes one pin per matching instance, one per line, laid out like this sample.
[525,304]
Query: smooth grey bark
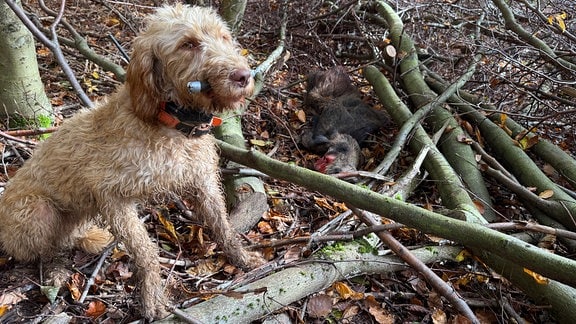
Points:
[298,281]
[21,90]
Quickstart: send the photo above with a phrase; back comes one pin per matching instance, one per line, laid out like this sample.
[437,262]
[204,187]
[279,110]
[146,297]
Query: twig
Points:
[97,268]
[490,160]
[366,174]
[528,226]
[519,189]
[510,310]
[439,285]
[243,172]
[328,238]
[31,132]
[16,139]
[405,184]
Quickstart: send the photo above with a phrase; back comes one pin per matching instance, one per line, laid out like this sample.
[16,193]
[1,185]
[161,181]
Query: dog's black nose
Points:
[241,77]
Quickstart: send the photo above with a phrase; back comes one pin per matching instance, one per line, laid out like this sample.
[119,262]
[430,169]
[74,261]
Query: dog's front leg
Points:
[127,228]
[211,210]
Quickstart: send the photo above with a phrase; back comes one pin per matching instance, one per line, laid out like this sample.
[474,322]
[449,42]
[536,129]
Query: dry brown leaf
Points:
[323,203]
[301,115]
[461,319]
[439,317]
[10,298]
[538,278]
[548,193]
[547,242]
[206,267]
[350,312]
[95,309]
[319,306]
[111,21]
[119,271]
[43,52]
[76,285]
[346,292]
[526,142]
[268,253]
[169,227]
[118,254]
[480,206]
[341,206]
[293,254]
[380,314]
[265,228]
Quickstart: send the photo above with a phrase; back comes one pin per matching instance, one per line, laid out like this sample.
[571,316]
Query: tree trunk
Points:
[22,95]
[233,12]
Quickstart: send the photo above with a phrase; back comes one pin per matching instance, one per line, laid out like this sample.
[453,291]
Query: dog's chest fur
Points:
[114,153]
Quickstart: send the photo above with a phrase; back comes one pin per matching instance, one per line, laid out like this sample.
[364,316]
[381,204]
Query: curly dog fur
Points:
[103,162]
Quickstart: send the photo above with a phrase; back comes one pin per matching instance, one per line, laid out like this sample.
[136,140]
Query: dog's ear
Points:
[141,77]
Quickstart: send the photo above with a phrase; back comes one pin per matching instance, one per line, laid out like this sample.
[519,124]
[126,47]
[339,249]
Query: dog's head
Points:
[181,44]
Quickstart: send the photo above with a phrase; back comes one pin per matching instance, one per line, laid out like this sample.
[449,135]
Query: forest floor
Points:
[319,38]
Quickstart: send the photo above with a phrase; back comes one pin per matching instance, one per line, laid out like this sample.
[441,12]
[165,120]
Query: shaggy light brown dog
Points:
[147,139]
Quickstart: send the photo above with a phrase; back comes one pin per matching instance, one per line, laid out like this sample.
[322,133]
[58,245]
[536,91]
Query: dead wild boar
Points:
[341,121]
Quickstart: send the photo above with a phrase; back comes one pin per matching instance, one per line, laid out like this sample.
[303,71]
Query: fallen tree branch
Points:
[469,234]
[292,284]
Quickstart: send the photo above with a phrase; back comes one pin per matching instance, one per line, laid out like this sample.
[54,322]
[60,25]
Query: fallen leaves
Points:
[346,292]
[541,280]
[95,309]
[8,299]
[559,19]
[545,194]
[319,306]
[76,285]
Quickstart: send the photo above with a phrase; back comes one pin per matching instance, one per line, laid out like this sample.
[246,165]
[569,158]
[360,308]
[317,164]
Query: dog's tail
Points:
[94,240]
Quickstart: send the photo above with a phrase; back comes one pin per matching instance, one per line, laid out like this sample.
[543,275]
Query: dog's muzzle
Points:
[203,86]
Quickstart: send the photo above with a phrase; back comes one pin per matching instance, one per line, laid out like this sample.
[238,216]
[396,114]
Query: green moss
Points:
[39,121]
[330,249]
[364,247]
[44,121]
[432,249]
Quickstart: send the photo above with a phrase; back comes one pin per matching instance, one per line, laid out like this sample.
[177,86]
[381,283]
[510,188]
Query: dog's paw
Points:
[56,276]
[154,313]
[154,308]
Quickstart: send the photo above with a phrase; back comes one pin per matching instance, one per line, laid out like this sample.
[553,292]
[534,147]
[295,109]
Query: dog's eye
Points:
[190,44]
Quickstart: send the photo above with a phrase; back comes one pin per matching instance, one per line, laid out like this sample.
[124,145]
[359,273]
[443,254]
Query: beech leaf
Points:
[548,193]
